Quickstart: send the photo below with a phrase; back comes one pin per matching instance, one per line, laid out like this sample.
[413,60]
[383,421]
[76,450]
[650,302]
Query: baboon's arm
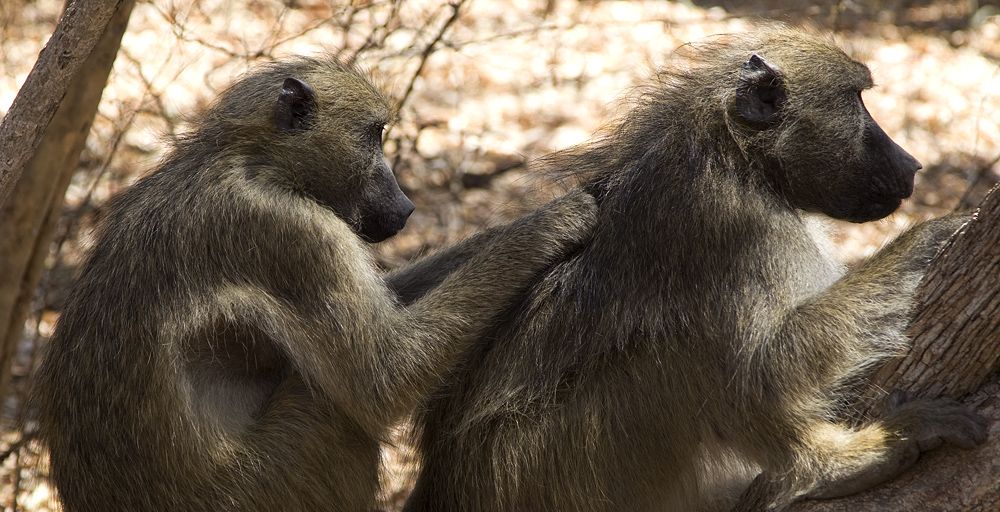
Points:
[867,307]
[412,281]
[386,356]
[415,279]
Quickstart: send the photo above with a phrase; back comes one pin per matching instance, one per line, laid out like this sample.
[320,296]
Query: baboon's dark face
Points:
[383,208]
[827,154]
[340,132]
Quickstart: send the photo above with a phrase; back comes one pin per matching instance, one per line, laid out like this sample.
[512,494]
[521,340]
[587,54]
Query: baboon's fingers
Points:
[944,420]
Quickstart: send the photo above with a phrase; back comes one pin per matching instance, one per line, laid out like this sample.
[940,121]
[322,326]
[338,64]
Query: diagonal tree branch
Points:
[80,26]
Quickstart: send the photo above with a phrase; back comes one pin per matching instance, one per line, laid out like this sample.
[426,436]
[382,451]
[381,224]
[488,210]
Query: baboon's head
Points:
[320,124]
[798,98]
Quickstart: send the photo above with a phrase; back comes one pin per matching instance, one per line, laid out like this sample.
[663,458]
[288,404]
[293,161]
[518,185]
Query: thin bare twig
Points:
[428,50]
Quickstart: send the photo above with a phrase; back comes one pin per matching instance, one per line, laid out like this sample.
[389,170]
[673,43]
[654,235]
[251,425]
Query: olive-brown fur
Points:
[230,343]
[705,335]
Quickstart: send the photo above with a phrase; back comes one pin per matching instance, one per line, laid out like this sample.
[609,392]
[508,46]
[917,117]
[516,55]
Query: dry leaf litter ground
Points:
[504,82]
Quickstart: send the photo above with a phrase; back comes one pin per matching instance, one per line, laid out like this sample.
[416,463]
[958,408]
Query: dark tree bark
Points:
[29,217]
[956,354]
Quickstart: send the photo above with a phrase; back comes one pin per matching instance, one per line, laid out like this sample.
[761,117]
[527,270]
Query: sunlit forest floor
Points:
[485,87]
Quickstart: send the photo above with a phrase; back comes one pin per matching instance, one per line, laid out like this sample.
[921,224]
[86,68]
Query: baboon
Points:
[705,334]
[230,344]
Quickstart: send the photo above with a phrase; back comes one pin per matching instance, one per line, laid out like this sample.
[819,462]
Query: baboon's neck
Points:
[670,211]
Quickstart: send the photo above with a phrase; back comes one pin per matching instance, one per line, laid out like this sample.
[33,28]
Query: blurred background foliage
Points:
[485,86]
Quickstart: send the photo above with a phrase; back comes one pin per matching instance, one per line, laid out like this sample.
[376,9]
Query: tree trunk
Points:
[80,26]
[28,219]
[956,353]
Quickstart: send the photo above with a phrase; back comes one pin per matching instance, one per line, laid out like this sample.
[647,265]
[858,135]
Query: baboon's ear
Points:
[760,93]
[296,104]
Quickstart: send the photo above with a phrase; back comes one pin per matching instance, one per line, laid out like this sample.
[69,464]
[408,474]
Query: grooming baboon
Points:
[229,344]
[705,334]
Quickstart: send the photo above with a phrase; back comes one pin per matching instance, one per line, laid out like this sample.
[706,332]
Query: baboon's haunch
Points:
[230,344]
[705,331]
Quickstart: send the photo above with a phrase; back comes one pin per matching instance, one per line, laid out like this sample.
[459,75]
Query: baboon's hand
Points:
[568,221]
[922,243]
[937,232]
[925,425]
[911,428]
[908,257]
